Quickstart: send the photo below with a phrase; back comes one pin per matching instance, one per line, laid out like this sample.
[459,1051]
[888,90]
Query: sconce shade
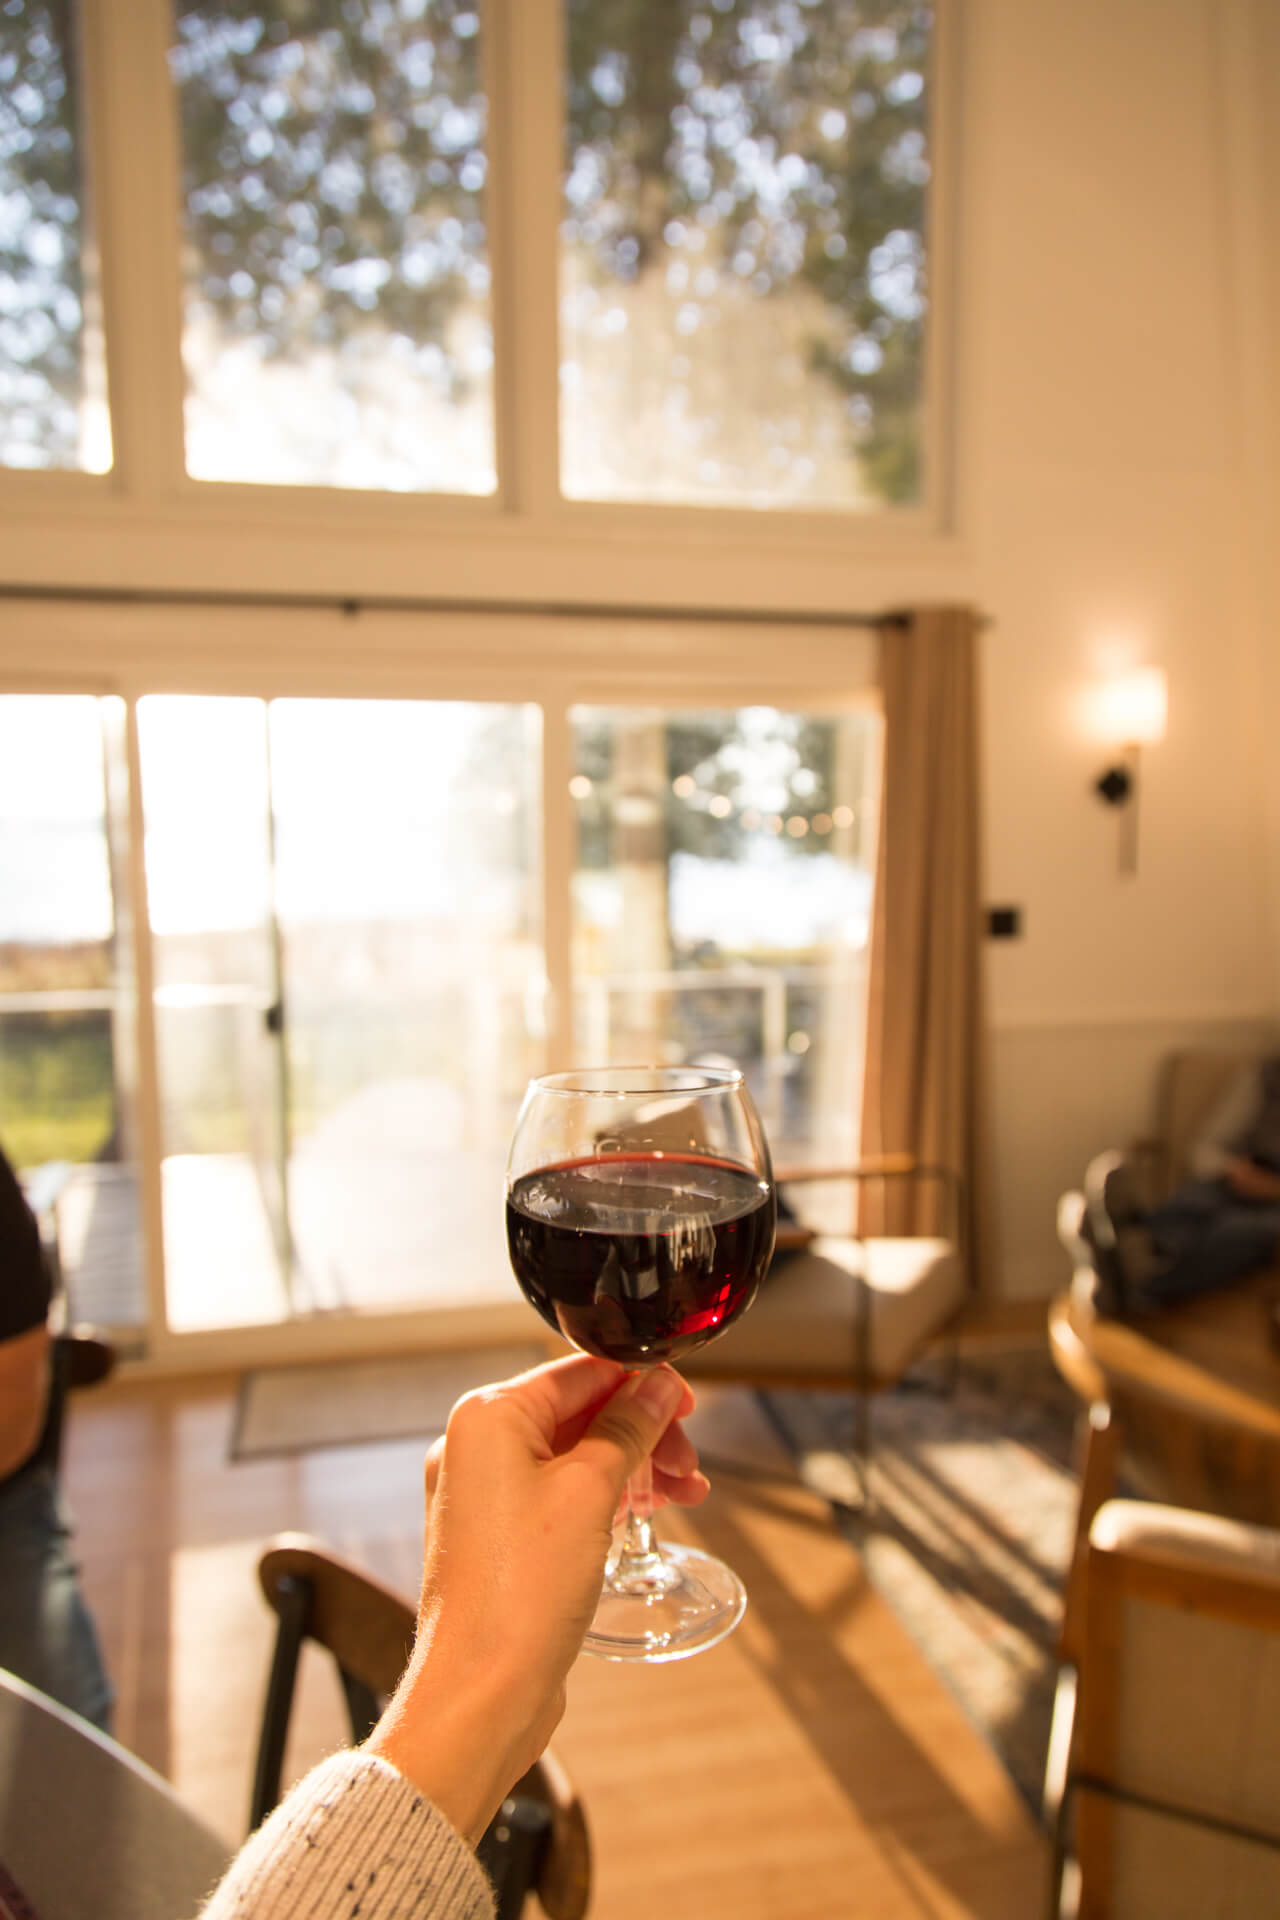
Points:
[1133,708]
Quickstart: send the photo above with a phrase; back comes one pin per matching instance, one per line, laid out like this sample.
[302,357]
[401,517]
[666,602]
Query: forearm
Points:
[24,1392]
[354,1837]
[1251,1182]
[464,1725]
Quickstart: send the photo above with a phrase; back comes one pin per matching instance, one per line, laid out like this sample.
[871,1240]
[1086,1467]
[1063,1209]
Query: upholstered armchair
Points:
[849,1312]
[1163,1786]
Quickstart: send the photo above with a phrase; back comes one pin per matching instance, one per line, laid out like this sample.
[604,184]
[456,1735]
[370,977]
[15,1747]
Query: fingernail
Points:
[659,1392]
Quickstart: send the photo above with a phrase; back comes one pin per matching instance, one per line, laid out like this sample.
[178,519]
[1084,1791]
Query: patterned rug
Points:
[974,1512]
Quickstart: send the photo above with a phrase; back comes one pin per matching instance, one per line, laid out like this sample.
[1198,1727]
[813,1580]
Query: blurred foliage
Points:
[40,232]
[334,172]
[757,759]
[793,132]
[333,166]
[57,1091]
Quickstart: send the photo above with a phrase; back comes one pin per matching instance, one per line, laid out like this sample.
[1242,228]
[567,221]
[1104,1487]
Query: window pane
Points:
[743,252]
[53,410]
[336,326]
[406,837]
[208,858]
[721,903]
[67,1001]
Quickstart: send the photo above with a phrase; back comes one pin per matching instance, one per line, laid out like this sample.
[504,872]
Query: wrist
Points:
[457,1739]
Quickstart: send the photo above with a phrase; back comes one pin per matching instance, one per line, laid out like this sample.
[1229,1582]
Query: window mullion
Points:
[525,79]
[133,145]
[557,880]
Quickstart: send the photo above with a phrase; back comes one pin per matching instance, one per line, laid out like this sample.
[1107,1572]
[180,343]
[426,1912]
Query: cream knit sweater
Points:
[353,1841]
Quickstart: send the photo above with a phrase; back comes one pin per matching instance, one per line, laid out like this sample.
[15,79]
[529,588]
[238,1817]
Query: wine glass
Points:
[640,1221]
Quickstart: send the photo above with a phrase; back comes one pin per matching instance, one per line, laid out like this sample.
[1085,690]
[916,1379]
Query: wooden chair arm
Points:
[886,1166]
[1200,1562]
[882,1165]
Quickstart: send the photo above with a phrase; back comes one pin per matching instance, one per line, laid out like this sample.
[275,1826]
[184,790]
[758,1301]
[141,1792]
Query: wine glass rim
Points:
[653,1082]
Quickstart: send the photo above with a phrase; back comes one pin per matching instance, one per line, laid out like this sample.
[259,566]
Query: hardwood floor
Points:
[810,1768]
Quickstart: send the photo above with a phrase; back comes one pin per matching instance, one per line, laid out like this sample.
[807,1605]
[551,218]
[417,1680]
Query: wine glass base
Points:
[692,1604]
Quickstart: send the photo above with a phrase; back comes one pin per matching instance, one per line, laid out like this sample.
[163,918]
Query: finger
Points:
[675,1452]
[571,1391]
[432,1465]
[680,1490]
[564,1393]
[631,1423]
[575,1381]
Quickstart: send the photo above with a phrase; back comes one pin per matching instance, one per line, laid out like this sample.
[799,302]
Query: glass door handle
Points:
[273,1017]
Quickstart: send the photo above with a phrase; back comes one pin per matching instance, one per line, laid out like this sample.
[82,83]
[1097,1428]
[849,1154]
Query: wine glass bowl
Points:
[640,1222]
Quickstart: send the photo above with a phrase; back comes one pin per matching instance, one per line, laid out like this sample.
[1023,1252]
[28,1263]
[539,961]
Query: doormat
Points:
[970,1533]
[346,1403]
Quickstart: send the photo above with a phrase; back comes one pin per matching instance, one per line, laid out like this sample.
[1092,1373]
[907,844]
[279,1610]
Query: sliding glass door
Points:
[274,972]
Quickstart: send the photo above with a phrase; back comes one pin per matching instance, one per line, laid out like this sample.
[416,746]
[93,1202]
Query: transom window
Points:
[734,288]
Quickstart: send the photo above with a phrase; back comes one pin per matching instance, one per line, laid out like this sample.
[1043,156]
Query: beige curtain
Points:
[923,1089]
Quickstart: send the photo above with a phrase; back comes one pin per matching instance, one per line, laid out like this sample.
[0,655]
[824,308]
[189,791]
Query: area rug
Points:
[970,1530]
[347,1402]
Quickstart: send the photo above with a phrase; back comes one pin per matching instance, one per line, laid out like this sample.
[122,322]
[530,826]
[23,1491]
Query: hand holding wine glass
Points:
[640,1221]
[521,1492]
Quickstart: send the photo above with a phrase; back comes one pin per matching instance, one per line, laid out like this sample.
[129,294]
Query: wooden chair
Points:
[1192,1443]
[1166,1800]
[851,1312]
[537,1843]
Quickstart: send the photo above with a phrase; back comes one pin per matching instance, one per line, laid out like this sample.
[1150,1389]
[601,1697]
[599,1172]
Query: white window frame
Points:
[148,526]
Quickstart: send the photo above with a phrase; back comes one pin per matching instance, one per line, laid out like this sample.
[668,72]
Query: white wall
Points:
[1117,350]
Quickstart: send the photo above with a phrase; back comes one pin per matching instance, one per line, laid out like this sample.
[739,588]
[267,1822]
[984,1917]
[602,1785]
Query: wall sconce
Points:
[1130,713]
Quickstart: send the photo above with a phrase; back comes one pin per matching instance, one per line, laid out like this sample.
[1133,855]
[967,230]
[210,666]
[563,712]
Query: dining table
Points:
[87,1832]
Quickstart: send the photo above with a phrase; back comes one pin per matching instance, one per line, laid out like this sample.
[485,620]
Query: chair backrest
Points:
[1174,1779]
[538,1841]
[1190,1085]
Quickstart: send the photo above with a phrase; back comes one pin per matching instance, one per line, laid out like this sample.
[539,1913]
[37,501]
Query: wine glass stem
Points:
[636,1563]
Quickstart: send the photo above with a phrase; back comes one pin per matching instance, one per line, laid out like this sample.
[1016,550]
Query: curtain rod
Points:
[352,605]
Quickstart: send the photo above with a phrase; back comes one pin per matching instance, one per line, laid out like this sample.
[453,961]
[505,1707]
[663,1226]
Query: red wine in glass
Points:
[640,1257]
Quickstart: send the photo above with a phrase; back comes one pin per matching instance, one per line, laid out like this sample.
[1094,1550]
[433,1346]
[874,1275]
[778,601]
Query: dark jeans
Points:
[47,1637]
[1210,1237]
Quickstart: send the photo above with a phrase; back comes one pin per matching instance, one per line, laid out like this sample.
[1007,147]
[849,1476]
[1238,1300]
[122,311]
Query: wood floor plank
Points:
[811,1767]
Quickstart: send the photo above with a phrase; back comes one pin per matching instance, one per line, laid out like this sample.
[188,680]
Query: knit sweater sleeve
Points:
[354,1840]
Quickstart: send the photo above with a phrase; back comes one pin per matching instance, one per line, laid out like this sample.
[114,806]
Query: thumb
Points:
[632,1421]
